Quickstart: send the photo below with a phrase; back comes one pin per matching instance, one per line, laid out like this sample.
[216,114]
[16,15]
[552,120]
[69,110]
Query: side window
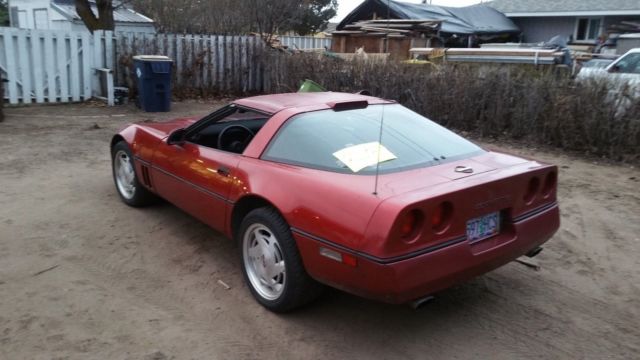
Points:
[232,131]
[630,64]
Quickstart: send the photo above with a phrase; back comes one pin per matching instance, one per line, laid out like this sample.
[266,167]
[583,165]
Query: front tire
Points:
[129,188]
[271,263]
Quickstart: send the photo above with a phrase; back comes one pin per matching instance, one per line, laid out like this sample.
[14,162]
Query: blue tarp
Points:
[476,19]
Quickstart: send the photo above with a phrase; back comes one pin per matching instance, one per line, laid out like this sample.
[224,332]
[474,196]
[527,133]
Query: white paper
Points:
[361,156]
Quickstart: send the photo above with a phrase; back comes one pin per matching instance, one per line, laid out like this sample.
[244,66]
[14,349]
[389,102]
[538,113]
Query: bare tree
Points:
[269,17]
[103,20]
[238,16]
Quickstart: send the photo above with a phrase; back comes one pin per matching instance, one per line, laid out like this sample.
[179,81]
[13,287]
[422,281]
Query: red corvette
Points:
[346,190]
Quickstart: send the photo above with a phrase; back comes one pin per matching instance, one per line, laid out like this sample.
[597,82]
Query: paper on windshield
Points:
[361,156]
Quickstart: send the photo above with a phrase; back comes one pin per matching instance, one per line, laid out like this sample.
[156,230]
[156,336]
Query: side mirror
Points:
[177,137]
[615,69]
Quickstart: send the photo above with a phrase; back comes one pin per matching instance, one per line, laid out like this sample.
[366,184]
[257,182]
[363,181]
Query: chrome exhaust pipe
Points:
[417,304]
[533,253]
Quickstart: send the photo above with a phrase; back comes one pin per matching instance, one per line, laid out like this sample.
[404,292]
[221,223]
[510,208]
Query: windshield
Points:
[348,141]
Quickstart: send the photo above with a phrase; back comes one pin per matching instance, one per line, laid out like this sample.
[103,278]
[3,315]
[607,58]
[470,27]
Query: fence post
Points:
[61,47]
[87,73]
[38,66]
[25,66]
[12,71]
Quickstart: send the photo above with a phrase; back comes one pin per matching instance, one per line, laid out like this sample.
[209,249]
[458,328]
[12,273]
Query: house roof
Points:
[331,27]
[121,13]
[476,19]
[516,8]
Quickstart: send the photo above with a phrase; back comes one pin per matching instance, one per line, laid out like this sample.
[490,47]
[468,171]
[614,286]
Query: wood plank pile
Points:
[489,55]
[393,27]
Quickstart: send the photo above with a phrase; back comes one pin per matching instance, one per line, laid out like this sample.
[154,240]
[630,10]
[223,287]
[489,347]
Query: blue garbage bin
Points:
[153,73]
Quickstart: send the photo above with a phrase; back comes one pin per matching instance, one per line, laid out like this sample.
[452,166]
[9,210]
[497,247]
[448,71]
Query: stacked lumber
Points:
[492,55]
[393,27]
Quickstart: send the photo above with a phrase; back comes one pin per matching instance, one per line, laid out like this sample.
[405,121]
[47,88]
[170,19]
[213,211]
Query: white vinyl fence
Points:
[45,66]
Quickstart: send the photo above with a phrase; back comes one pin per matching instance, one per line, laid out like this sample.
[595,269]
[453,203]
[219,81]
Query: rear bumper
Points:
[416,277]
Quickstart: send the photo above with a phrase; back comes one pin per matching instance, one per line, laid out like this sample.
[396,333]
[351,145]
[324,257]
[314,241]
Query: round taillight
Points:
[441,217]
[532,190]
[550,183]
[410,224]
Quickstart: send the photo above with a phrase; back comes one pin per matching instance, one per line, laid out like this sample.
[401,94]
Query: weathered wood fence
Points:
[205,64]
[52,66]
[61,66]
[305,42]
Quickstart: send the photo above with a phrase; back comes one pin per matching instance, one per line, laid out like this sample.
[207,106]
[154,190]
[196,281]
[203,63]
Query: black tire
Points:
[139,196]
[298,288]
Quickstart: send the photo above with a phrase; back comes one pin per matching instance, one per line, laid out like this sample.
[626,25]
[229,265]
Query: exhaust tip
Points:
[417,304]
[533,253]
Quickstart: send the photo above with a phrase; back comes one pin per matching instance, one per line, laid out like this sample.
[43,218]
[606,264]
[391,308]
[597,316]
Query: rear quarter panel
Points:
[317,202]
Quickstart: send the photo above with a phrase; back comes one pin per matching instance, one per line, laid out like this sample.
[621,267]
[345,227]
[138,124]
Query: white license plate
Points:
[483,227]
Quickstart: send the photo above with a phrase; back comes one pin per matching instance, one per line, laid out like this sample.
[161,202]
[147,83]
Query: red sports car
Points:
[346,190]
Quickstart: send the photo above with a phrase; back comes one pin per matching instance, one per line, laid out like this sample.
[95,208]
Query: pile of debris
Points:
[392,28]
[624,27]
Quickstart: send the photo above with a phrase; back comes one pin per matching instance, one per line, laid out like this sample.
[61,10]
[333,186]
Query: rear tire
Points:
[271,264]
[125,178]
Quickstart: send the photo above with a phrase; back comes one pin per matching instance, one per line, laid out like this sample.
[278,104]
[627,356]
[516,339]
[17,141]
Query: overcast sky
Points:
[346,6]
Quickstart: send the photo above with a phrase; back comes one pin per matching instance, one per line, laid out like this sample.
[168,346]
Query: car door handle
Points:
[224,171]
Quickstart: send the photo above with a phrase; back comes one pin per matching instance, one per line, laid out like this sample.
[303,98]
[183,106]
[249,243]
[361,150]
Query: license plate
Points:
[483,227]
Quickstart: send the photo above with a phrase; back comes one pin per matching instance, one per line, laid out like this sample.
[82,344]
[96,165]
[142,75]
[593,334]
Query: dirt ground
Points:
[82,276]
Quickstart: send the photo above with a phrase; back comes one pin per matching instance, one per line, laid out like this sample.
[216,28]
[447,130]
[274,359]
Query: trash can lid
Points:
[152,58]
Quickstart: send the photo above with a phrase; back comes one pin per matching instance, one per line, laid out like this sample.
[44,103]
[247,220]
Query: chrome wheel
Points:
[124,174]
[264,261]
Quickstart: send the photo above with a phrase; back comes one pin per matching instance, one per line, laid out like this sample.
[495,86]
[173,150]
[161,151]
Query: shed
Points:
[459,27]
[62,15]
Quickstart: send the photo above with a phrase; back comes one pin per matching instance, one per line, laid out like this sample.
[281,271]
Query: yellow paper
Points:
[361,156]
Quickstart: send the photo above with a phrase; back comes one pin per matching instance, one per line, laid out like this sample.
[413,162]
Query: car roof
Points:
[278,102]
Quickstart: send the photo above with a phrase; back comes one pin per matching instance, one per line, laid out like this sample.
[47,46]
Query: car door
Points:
[627,68]
[197,177]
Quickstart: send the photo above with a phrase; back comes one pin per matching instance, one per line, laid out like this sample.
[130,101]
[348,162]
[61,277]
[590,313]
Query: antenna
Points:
[375,187]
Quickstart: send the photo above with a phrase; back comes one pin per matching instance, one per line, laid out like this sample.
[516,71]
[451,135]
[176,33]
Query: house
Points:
[457,27]
[61,15]
[582,21]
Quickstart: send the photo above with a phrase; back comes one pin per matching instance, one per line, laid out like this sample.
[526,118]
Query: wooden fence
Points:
[305,42]
[52,66]
[204,64]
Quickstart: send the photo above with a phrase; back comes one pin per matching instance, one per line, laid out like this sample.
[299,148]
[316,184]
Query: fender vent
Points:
[146,179]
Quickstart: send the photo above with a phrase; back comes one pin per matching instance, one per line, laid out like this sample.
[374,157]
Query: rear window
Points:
[342,141]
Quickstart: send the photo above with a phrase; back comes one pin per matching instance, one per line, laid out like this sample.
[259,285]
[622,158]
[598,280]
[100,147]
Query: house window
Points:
[588,29]
[13,16]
